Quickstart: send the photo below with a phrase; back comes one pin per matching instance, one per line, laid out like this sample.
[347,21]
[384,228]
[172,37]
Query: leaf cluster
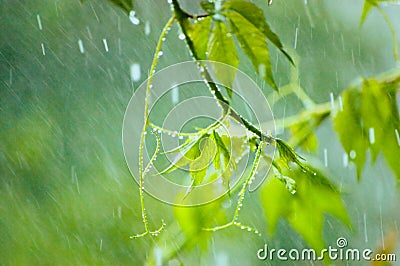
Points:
[369,120]
[211,154]
[236,21]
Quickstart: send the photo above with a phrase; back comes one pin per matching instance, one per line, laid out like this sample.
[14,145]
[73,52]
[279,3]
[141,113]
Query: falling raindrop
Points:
[43,50]
[175,95]
[147,28]
[295,37]
[396,132]
[135,72]
[11,76]
[340,103]
[39,21]
[332,98]
[398,101]
[158,256]
[365,228]
[89,33]
[326,157]
[261,70]
[345,159]
[133,18]
[81,48]
[105,45]
[119,212]
[181,36]
[382,234]
[371,135]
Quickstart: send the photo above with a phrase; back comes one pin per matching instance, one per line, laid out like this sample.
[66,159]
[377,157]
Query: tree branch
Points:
[182,18]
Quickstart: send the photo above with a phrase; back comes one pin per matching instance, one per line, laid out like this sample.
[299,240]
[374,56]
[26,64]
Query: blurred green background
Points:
[66,195]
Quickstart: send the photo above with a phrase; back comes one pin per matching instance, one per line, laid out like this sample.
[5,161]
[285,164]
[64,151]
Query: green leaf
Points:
[193,219]
[199,34]
[305,209]
[253,43]
[189,151]
[369,121]
[197,155]
[221,48]
[255,16]
[347,124]
[302,132]
[206,153]
[230,148]
[303,136]
[287,155]
[126,5]
[368,5]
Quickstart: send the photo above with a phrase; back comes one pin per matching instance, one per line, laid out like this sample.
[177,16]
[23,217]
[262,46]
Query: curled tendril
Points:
[212,127]
[143,136]
[234,221]
[152,233]
[153,158]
